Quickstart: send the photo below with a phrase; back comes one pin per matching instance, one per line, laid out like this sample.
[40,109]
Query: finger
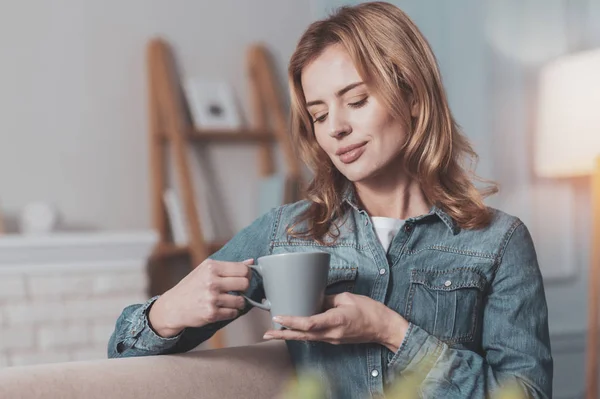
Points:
[317,322]
[294,322]
[223,314]
[232,269]
[230,301]
[227,284]
[293,335]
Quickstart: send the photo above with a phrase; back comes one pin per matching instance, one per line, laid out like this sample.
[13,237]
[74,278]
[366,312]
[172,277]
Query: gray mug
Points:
[294,283]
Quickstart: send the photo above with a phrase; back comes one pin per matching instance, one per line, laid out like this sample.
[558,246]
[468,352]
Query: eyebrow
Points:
[338,94]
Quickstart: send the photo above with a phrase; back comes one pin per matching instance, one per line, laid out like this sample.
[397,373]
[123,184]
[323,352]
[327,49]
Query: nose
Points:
[338,126]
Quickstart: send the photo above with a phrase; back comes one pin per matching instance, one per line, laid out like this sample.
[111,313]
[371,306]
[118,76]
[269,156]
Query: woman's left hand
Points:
[348,319]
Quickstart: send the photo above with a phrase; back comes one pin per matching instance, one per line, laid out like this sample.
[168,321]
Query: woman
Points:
[434,283]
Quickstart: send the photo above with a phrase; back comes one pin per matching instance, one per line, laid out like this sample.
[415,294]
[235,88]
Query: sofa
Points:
[256,371]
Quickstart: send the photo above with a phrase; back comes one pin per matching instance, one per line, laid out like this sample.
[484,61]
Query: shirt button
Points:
[448,283]
[407,228]
[381,271]
[374,373]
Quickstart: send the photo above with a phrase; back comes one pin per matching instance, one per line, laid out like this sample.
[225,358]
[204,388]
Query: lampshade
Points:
[567,134]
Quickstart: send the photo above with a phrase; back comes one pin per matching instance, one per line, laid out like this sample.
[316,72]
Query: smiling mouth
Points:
[352,153]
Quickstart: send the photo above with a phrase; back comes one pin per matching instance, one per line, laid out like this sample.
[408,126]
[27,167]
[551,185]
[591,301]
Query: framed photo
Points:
[212,104]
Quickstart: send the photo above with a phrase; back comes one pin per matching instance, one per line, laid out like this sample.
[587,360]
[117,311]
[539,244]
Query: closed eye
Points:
[359,104]
[320,119]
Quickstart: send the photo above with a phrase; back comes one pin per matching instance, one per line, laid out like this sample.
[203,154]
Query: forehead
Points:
[331,71]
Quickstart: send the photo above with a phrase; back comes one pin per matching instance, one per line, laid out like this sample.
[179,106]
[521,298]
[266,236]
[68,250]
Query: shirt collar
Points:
[349,197]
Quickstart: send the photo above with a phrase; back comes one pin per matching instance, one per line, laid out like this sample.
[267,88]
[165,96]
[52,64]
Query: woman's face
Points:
[352,126]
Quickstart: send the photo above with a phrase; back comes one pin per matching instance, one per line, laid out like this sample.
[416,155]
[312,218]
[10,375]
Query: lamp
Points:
[568,145]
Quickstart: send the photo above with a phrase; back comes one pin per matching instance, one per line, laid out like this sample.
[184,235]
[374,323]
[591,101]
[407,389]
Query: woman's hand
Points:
[201,297]
[349,318]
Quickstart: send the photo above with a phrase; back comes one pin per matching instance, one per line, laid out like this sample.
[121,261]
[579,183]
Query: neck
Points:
[395,196]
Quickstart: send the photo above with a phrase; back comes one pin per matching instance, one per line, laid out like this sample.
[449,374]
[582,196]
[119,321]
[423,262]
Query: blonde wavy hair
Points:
[397,63]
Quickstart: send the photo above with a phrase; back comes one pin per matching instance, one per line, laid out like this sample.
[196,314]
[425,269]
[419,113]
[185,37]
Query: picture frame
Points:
[212,104]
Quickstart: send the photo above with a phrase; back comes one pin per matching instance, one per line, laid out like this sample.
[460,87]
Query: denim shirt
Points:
[474,300]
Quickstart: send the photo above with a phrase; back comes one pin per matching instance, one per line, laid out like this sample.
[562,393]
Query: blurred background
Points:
[76,173]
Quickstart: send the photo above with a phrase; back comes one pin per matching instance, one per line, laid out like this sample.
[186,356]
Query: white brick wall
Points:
[58,316]
[16,338]
[30,357]
[77,309]
[59,286]
[101,333]
[60,336]
[118,283]
[93,352]
[12,288]
[30,312]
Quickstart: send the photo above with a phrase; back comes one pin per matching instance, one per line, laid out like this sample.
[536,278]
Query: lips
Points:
[351,153]
[349,148]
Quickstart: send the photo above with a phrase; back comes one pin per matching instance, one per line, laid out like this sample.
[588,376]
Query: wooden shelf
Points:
[226,137]
[171,250]
[237,136]
[171,131]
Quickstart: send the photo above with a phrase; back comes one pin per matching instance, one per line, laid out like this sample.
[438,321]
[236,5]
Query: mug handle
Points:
[264,306]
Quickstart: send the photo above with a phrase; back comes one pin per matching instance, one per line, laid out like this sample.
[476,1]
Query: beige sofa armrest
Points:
[255,371]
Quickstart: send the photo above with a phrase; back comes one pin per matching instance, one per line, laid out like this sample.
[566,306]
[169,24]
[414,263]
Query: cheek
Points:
[393,141]
[392,131]
[324,140]
[373,119]
[390,137]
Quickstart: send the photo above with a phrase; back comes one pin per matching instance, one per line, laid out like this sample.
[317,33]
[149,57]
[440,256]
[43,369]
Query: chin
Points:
[356,173]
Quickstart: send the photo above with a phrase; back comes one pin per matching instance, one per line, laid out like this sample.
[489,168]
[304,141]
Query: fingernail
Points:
[248,261]
[277,319]
[267,336]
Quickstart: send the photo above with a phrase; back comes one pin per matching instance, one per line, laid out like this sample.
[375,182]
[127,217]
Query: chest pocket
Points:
[341,279]
[446,303]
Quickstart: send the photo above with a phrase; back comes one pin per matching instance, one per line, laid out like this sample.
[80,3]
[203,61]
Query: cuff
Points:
[419,351]
[142,331]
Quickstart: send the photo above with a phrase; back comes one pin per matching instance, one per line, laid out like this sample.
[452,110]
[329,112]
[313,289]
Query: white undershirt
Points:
[386,229]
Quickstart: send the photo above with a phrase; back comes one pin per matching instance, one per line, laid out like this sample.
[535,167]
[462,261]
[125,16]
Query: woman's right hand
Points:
[201,297]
